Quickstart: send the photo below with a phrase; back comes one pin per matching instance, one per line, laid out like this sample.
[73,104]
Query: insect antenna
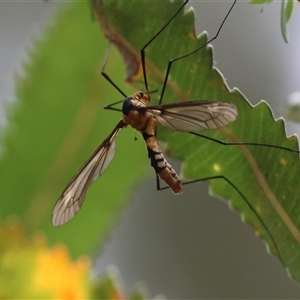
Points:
[110,106]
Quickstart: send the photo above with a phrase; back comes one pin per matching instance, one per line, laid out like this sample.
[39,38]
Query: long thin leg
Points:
[178,58]
[192,52]
[242,196]
[243,143]
[152,39]
[106,76]
[110,106]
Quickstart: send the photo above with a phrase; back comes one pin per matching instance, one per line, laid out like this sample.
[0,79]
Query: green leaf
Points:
[289,9]
[283,21]
[260,1]
[57,122]
[266,177]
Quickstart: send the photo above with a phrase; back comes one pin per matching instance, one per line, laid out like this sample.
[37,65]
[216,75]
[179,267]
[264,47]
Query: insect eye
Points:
[127,106]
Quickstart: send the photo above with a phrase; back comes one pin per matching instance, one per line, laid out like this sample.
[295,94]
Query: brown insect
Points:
[187,116]
[190,116]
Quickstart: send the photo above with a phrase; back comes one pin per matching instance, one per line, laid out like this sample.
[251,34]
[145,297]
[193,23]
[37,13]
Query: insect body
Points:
[187,116]
[145,121]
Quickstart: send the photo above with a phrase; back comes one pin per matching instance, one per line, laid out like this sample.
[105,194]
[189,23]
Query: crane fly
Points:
[137,111]
[189,116]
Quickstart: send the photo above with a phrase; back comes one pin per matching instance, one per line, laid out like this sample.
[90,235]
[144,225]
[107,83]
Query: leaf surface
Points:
[266,177]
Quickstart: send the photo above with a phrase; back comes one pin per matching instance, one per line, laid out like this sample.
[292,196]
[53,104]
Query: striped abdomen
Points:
[145,122]
[162,168]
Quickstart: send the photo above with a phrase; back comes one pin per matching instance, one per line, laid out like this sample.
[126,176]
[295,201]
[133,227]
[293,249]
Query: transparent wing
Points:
[73,196]
[194,115]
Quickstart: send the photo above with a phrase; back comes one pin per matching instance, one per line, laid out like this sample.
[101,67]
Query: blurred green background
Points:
[200,249]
